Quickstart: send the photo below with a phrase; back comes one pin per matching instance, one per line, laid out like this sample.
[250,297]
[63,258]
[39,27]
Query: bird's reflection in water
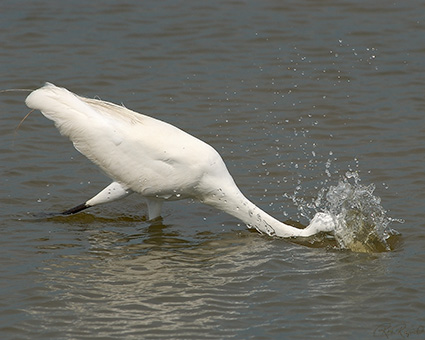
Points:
[161,277]
[136,235]
[153,275]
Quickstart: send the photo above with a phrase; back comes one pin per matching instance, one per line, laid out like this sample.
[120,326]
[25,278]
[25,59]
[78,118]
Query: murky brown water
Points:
[292,94]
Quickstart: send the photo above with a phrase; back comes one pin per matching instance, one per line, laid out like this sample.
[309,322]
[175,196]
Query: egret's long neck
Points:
[235,203]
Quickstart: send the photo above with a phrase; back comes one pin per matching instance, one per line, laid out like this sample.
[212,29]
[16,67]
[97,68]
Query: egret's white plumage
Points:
[155,159]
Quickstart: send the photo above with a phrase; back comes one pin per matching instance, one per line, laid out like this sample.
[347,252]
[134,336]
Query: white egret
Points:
[155,159]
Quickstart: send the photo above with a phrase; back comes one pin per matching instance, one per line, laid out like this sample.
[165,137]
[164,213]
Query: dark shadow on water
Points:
[85,217]
[119,231]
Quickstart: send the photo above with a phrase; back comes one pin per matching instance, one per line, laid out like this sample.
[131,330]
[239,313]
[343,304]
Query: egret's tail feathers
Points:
[71,112]
[66,109]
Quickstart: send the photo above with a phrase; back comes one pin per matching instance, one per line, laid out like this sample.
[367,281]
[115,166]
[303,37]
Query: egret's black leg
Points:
[76,209]
[112,192]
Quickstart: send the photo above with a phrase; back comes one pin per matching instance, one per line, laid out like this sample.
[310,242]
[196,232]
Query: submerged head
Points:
[322,222]
[360,233]
[362,224]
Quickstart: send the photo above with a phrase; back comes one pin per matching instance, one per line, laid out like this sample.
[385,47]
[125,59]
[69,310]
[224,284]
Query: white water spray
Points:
[362,224]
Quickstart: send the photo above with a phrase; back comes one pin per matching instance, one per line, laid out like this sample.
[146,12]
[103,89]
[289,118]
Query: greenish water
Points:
[293,95]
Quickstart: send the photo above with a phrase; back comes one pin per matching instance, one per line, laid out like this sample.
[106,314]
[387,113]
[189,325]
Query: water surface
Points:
[293,95]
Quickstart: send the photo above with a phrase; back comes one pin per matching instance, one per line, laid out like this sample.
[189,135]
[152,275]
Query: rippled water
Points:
[293,95]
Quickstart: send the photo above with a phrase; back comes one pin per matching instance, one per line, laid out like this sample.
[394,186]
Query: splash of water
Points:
[362,224]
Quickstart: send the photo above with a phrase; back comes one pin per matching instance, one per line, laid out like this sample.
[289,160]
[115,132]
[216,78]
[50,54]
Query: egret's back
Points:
[147,155]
